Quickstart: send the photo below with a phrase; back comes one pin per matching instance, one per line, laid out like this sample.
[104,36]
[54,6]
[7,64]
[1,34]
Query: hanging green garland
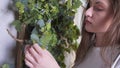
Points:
[48,23]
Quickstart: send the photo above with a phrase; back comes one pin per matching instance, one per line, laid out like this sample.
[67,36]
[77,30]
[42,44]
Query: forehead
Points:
[103,2]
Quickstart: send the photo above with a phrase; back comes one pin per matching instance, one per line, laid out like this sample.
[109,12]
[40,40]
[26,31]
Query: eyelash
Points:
[97,9]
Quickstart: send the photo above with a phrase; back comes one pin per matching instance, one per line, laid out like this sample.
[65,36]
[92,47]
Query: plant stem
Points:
[19,55]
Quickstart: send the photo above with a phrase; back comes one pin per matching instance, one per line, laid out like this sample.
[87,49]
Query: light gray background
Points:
[6,42]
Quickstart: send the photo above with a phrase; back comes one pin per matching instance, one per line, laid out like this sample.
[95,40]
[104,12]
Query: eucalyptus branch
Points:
[40,21]
[18,40]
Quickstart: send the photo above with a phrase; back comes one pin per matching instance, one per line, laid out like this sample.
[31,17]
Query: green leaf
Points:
[76,4]
[41,23]
[34,31]
[42,0]
[5,66]
[69,4]
[40,16]
[34,37]
[15,22]
[48,26]
[28,21]
[54,9]
[54,40]
[45,39]
[43,29]
[17,25]
[49,21]
[20,6]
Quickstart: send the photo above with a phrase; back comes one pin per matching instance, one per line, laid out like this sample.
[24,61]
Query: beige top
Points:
[94,60]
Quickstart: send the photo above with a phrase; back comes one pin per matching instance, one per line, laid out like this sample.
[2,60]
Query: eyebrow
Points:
[99,2]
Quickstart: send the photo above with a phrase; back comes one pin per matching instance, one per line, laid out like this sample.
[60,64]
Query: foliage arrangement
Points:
[48,23]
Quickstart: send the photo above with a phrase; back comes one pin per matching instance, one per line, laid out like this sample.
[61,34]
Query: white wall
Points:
[79,13]
[6,42]
[70,57]
[78,17]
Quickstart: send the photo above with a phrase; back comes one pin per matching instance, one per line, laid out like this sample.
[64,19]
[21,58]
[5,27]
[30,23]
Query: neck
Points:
[99,37]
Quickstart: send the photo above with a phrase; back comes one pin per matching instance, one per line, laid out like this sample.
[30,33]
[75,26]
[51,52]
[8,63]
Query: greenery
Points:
[48,23]
[5,66]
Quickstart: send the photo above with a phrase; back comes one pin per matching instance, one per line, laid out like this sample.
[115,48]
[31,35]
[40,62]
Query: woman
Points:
[100,44]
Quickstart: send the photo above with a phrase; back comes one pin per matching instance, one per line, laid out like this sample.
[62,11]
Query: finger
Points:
[26,48]
[48,53]
[38,49]
[29,57]
[28,63]
[34,54]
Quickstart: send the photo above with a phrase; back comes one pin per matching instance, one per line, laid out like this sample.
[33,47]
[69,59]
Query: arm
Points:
[36,57]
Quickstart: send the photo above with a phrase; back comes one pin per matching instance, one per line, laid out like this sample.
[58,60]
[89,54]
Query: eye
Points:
[97,8]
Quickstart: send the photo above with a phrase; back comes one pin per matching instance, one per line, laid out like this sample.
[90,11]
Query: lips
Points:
[87,22]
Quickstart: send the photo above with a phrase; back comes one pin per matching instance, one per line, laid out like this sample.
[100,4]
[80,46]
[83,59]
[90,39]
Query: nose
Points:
[89,12]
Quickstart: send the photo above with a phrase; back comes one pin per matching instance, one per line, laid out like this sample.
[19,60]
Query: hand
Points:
[36,57]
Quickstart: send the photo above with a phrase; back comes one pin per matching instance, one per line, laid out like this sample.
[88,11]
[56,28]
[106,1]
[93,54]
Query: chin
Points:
[89,30]
[95,31]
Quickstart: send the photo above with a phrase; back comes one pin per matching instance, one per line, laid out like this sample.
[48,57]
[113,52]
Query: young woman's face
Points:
[98,16]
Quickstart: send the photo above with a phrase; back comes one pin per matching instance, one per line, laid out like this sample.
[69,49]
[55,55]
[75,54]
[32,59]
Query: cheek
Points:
[101,24]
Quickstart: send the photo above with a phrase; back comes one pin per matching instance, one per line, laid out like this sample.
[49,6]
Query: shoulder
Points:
[116,64]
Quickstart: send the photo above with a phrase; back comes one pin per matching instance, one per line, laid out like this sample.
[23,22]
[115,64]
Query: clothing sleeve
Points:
[116,64]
